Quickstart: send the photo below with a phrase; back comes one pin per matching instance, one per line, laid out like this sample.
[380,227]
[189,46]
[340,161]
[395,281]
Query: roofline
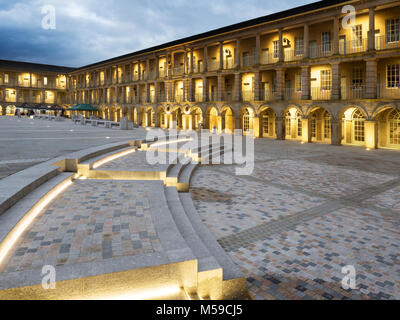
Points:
[39,65]
[234,27]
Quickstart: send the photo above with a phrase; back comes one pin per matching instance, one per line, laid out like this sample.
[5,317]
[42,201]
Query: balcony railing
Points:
[268,58]
[248,61]
[352,92]
[386,42]
[383,92]
[213,65]
[229,64]
[198,97]
[198,69]
[353,46]
[318,93]
[179,71]
[227,96]
[293,55]
[267,95]
[291,94]
[162,97]
[247,95]
[179,98]
[162,73]
[324,50]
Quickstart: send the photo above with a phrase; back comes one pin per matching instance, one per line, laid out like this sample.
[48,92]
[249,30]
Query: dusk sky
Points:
[88,31]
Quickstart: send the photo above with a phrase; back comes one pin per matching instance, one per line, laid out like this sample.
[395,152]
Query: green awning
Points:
[83,107]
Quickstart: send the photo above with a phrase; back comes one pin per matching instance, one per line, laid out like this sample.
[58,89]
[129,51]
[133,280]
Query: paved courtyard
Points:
[25,142]
[305,213]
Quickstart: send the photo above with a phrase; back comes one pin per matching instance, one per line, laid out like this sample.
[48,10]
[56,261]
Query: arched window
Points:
[288,124]
[327,125]
[265,123]
[314,125]
[299,125]
[246,121]
[394,127]
[358,126]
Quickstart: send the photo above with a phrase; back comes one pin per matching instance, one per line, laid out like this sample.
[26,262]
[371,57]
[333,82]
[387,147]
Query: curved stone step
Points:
[235,281]
[210,272]
[185,177]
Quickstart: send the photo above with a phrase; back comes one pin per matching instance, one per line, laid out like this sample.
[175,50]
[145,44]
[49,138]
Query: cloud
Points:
[89,31]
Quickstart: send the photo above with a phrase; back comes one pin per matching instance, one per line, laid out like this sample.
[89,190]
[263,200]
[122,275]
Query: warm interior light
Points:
[142,295]
[31,215]
[113,157]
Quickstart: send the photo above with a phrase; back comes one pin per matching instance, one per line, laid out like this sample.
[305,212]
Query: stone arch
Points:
[319,124]
[228,119]
[383,107]
[388,128]
[353,125]
[197,117]
[267,124]
[292,117]
[213,119]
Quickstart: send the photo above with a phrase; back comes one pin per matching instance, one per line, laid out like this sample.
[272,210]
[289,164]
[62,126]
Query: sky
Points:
[89,31]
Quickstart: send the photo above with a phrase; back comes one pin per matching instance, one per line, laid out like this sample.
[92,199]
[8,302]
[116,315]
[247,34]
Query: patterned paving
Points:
[90,221]
[293,245]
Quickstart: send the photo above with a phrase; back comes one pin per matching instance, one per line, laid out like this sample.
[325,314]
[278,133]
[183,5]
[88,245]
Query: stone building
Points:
[304,74]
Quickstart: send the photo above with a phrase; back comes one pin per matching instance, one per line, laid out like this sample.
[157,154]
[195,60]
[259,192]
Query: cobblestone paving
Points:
[90,221]
[296,222]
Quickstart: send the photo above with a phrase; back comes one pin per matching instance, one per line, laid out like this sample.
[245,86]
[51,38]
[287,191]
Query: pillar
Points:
[139,71]
[336,132]
[280,83]
[205,59]
[257,53]
[220,88]
[371,32]
[237,55]
[371,134]
[281,56]
[306,130]
[190,90]
[335,81]
[156,91]
[191,60]
[305,83]
[306,40]
[280,135]
[371,78]
[256,86]
[336,35]
[238,86]
[184,93]
[157,67]
[221,55]
[205,89]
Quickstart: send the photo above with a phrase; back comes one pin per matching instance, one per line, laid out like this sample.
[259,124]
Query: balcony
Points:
[291,94]
[318,93]
[383,92]
[247,95]
[324,50]
[385,42]
[352,92]
[152,75]
[162,97]
[198,68]
[229,64]
[267,95]
[179,71]
[354,46]
[268,58]
[152,98]
[213,65]
[198,97]
[227,96]
[179,98]
[293,55]
[248,61]
[162,73]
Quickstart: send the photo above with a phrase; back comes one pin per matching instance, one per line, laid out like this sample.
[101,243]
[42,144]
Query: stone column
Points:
[157,67]
[184,94]
[281,53]
[371,133]
[305,83]
[205,89]
[156,91]
[306,40]
[221,55]
[220,87]
[336,132]
[280,83]
[30,96]
[147,92]
[147,69]
[336,35]
[256,86]
[306,130]
[371,32]
[205,59]
[190,89]
[335,81]
[172,90]
[258,48]
[279,128]
[371,76]
[191,60]
[238,86]
[237,56]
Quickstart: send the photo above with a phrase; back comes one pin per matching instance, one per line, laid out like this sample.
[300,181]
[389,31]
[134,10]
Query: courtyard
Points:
[307,211]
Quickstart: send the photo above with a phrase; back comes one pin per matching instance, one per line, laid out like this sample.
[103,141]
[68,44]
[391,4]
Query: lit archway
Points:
[320,125]
[293,124]
[10,110]
[212,119]
[228,120]
[267,123]
[150,118]
[247,120]
[389,128]
[353,127]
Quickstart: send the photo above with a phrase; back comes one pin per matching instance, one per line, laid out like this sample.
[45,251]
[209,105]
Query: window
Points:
[393,78]
[357,77]
[6,78]
[288,124]
[276,49]
[246,121]
[327,125]
[299,47]
[392,30]
[314,126]
[45,81]
[356,36]
[326,42]
[265,124]
[359,126]
[326,79]
[298,82]
[394,127]
[299,125]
